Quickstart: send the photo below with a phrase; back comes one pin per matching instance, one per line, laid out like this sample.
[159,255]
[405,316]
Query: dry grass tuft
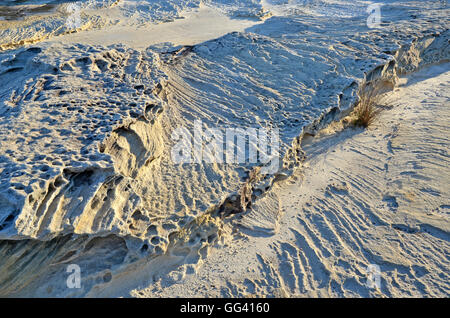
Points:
[366,114]
[367,110]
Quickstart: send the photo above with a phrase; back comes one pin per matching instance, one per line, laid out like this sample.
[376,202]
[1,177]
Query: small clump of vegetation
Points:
[366,114]
[367,109]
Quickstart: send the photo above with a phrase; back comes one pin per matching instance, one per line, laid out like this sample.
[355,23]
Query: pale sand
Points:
[86,174]
[378,196]
[194,26]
